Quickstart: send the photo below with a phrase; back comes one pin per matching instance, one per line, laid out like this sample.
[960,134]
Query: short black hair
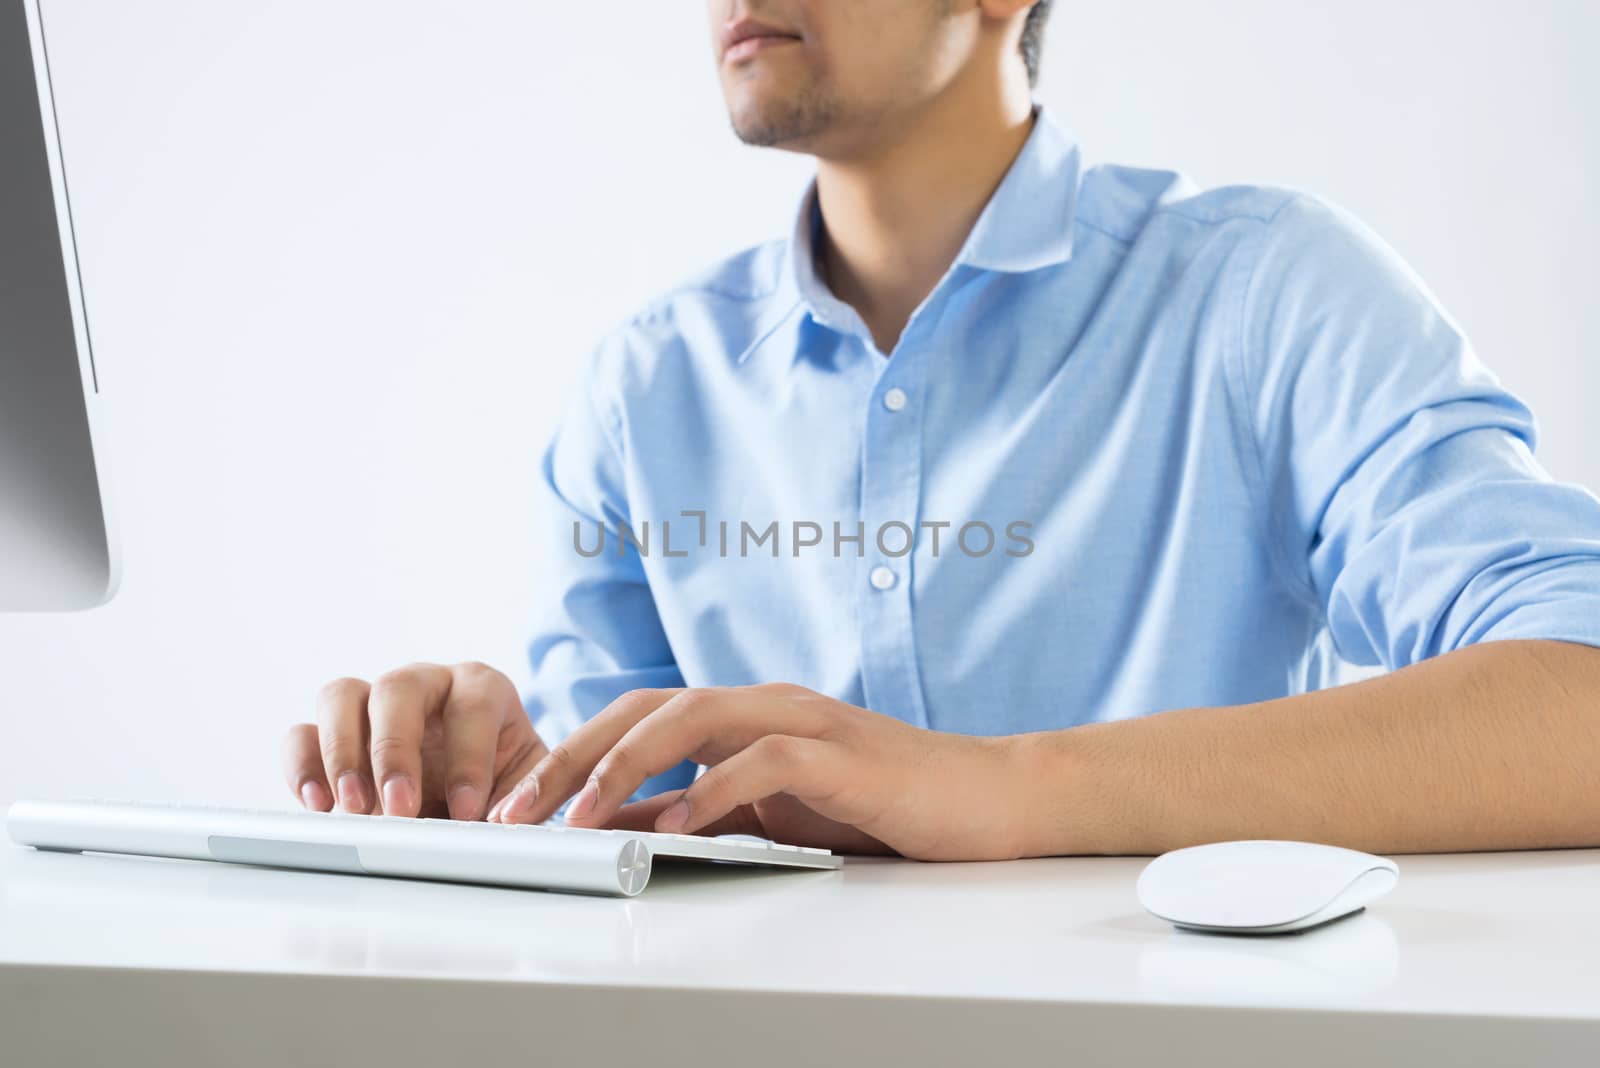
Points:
[1033,38]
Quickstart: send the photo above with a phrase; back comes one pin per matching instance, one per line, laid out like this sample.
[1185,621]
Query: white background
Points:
[343,258]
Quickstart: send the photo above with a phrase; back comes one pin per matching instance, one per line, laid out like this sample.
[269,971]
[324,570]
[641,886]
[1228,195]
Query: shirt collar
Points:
[1027,225]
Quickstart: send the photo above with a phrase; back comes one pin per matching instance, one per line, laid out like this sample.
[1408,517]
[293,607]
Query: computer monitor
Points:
[56,547]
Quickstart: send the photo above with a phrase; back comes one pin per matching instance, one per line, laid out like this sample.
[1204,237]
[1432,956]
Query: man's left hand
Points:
[785,763]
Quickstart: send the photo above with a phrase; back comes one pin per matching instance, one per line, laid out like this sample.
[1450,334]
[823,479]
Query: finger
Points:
[481,700]
[804,768]
[398,709]
[566,767]
[696,720]
[302,768]
[642,816]
[515,767]
[341,738]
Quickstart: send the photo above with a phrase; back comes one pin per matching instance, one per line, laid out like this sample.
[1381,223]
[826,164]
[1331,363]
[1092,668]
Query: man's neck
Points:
[896,219]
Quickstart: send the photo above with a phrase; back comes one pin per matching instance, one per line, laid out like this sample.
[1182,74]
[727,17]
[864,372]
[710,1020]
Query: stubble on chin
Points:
[799,118]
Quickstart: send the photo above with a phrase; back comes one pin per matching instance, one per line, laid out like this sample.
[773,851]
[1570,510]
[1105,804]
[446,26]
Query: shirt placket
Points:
[891,488]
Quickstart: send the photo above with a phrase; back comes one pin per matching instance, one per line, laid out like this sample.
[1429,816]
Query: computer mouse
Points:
[1262,887]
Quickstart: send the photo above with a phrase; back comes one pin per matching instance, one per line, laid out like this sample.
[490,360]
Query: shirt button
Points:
[882,578]
[895,399]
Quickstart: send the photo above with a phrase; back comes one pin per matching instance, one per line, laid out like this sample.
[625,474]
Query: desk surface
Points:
[1514,936]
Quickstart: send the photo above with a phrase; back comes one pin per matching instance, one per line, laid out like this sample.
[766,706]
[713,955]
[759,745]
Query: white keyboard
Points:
[542,857]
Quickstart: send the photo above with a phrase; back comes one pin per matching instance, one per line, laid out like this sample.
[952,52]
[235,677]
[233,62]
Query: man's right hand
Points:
[422,740]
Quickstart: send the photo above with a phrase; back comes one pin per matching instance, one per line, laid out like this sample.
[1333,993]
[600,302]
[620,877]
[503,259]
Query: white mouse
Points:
[1262,887]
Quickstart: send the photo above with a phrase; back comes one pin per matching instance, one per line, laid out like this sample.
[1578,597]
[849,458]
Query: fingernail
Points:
[583,804]
[519,800]
[313,796]
[674,818]
[464,801]
[500,805]
[399,796]
[350,792]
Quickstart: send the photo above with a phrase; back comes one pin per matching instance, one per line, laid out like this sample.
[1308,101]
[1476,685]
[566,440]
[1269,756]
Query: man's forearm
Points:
[1492,747]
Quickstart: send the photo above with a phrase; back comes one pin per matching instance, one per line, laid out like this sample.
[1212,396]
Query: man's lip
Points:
[751,45]
[745,38]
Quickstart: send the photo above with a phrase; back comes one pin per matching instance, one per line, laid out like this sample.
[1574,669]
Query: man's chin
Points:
[770,135]
[792,123]
[762,135]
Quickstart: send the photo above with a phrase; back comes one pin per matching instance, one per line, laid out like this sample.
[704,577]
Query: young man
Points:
[1214,439]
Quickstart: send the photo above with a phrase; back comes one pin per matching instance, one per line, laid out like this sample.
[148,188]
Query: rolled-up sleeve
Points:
[597,633]
[1400,481]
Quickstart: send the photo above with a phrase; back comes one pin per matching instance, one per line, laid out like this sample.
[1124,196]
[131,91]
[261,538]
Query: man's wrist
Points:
[1053,805]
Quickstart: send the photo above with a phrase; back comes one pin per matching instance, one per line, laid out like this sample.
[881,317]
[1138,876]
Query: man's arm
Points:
[1399,491]
[1492,747]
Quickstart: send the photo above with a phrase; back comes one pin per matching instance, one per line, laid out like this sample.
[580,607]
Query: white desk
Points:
[1490,959]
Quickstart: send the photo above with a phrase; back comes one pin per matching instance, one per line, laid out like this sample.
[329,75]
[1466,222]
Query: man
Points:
[1015,507]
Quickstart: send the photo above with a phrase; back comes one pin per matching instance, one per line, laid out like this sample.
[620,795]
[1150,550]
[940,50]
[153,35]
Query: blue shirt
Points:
[1221,441]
